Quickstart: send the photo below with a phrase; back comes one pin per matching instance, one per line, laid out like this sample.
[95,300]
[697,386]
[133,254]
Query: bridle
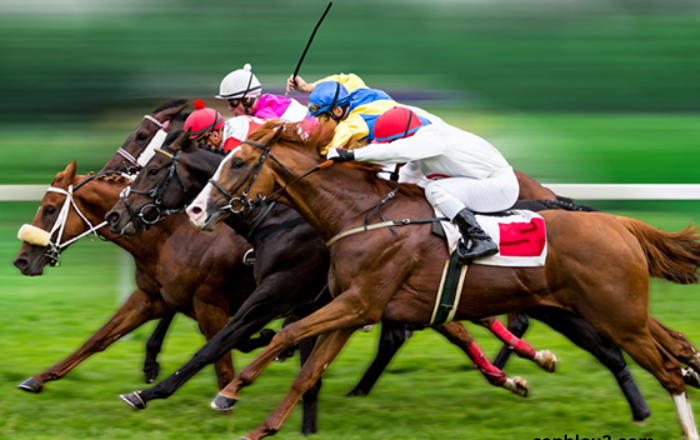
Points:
[56,247]
[238,205]
[137,163]
[156,193]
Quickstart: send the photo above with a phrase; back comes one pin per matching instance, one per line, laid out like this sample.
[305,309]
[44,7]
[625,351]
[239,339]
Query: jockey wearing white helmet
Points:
[244,94]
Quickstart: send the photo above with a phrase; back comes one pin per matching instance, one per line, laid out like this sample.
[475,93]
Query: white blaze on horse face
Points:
[150,150]
[197,211]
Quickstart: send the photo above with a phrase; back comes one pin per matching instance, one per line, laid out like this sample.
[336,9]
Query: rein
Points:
[234,202]
[156,193]
[386,224]
[137,163]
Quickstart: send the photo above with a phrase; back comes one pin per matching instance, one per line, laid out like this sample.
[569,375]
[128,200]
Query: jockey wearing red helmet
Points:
[205,125]
[464,172]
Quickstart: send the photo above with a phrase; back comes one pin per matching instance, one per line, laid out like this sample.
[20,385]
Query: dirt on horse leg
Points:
[458,335]
[326,349]
[341,313]
[545,359]
[138,309]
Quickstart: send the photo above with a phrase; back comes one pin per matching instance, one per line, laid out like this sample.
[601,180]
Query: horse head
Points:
[128,158]
[247,177]
[62,218]
[170,180]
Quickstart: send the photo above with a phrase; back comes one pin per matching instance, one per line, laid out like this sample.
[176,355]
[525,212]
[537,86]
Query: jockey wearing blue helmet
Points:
[349,103]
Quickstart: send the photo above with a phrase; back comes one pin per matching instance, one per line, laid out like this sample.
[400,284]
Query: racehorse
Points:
[194,164]
[294,249]
[211,281]
[597,264]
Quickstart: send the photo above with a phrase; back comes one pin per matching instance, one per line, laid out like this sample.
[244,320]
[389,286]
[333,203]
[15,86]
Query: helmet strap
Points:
[408,125]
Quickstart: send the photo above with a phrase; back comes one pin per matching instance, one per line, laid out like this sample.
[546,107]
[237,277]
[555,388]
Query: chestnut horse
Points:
[211,281]
[297,251]
[597,264]
[194,164]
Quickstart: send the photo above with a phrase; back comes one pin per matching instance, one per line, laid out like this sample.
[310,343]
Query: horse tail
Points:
[671,256]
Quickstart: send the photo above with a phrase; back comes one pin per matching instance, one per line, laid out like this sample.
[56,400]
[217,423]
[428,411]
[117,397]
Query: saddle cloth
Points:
[521,238]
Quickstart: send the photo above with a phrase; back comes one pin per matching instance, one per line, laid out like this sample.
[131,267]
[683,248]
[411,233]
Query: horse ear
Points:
[67,176]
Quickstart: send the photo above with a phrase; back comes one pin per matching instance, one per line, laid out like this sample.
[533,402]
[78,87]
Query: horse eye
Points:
[50,209]
[141,136]
[237,163]
[153,171]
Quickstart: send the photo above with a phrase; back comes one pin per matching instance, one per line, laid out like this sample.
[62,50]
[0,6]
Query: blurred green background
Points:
[575,91]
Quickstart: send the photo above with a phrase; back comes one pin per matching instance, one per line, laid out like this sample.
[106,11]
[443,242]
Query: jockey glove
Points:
[338,155]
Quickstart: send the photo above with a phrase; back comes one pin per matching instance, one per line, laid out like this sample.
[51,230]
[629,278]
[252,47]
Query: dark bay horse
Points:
[597,264]
[283,243]
[210,283]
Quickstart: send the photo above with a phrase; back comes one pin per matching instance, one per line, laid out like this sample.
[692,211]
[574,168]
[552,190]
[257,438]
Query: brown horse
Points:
[382,276]
[210,283]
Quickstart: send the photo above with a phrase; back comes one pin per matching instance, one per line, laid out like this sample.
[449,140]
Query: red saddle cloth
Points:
[522,239]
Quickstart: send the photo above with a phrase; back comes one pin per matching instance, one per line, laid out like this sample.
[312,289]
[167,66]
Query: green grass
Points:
[429,391]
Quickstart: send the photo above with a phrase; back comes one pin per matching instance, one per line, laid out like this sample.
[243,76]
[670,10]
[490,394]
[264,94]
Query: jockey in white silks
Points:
[464,173]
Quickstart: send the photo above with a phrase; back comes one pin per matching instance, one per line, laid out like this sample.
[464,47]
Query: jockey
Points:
[244,94]
[353,106]
[472,175]
[208,127]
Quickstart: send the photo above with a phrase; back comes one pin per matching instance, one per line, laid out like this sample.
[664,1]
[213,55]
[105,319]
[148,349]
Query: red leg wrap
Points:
[522,348]
[491,373]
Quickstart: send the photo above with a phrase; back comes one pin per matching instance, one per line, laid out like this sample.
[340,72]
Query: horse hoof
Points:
[134,400]
[357,392]
[546,360]
[516,385]
[31,385]
[221,403]
[151,374]
[690,377]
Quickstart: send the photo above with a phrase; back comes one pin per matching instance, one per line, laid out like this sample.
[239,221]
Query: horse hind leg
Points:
[652,356]
[458,335]
[545,359]
[679,347]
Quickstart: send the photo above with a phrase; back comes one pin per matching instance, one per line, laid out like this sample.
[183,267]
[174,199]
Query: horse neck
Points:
[249,222]
[96,198]
[335,199]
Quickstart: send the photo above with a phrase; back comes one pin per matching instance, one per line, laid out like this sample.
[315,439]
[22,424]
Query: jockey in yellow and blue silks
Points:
[346,100]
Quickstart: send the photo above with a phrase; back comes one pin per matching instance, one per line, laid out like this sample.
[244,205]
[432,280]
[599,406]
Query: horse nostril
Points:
[21,263]
[112,217]
[196,210]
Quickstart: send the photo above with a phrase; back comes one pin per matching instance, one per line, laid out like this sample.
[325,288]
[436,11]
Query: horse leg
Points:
[310,398]
[459,336]
[138,309]
[651,355]
[349,310]
[392,338]
[326,349]
[545,359]
[260,308]
[517,324]
[679,347]
[212,318]
[151,367]
[582,334]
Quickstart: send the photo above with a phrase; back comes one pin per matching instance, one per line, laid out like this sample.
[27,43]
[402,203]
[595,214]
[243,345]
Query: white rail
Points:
[15,193]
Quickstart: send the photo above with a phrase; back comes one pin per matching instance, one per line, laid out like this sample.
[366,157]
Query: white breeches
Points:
[495,193]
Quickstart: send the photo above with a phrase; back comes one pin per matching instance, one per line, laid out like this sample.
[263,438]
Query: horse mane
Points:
[170,104]
[316,141]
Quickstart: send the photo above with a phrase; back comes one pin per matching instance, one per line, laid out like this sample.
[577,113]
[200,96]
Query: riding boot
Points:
[482,244]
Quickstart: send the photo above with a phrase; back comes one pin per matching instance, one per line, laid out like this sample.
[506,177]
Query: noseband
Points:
[156,194]
[239,204]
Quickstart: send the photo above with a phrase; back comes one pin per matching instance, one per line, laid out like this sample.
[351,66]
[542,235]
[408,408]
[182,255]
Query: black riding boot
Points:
[482,244]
